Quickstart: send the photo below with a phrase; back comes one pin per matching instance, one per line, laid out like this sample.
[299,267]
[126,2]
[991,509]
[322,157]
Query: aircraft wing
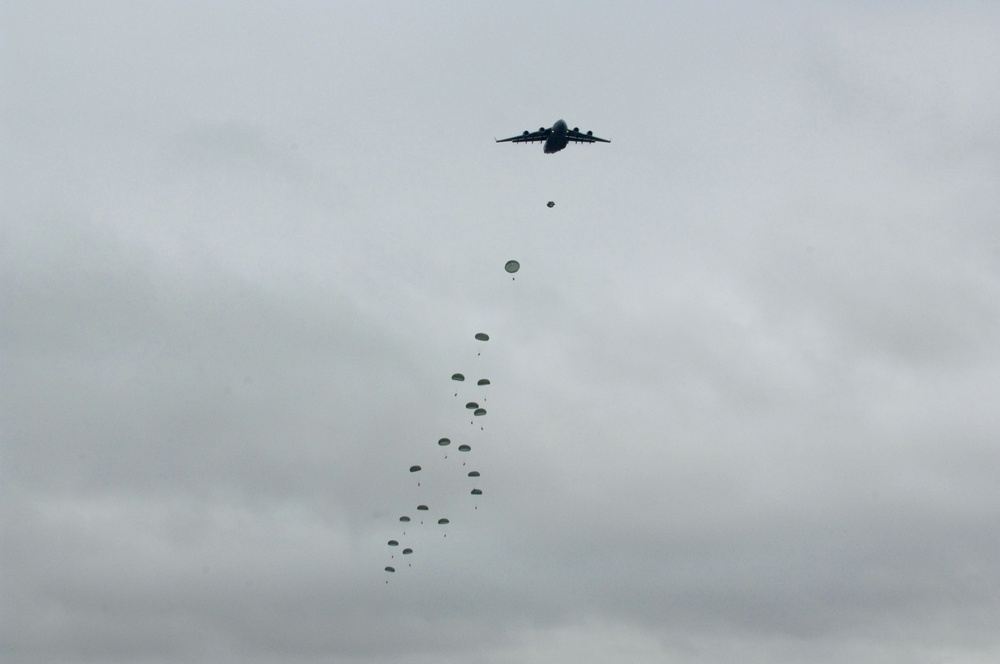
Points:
[527,137]
[579,137]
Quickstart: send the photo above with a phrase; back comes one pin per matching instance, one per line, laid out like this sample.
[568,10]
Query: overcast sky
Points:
[743,401]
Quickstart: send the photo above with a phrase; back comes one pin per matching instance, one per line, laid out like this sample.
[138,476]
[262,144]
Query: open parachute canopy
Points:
[472,405]
[512,266]
[483,381]
[477,492]
[390,569]
[444,441]
[407,552]
[479,412]
[393,543]
[442,521]
[422,508]
[474,473]
[404,519]
[464,448]
[482,336]
[414,469]
[458,377]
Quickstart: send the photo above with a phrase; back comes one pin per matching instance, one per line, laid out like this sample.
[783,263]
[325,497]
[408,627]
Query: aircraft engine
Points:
[525,133]
[576,129]
[590,133]
[541,129]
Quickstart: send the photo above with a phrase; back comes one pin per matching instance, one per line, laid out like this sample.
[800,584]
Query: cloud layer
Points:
[742,400]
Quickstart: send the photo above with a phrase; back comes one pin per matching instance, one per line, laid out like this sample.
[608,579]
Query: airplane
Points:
[556,137]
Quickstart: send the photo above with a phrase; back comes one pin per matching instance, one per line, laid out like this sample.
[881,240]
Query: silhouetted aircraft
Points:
[556,137]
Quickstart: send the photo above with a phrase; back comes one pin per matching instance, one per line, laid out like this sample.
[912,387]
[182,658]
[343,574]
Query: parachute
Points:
[458,377]
[422,508]
[483,381]
[390,569]
[393,543]
[404,519]
[477,492]
[472,405]
[414,469]
[474,473]
[407,552]
[442,522]
[512,266]
[482,336]
[464,448]
[479,412]
[551,203]
[444,441]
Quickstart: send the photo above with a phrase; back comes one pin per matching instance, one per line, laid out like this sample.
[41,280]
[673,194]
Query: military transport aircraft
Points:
[556,137]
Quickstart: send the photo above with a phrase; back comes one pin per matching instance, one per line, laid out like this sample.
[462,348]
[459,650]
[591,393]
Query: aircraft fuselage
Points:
[557,139]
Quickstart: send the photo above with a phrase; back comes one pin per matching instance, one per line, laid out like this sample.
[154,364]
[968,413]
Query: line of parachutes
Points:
[475,409]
